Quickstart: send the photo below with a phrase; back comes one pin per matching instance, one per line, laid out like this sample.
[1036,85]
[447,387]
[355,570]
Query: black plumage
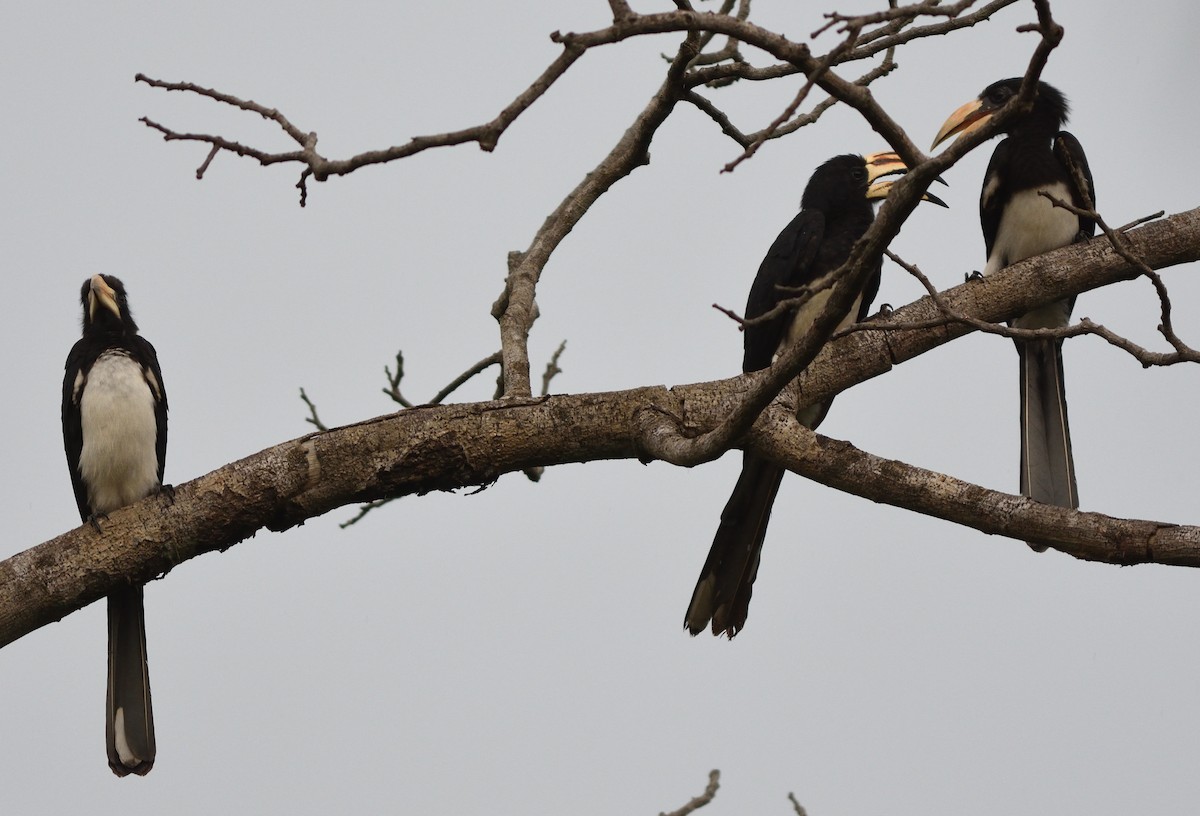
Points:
[114,417]
[835,211]
[1019,222]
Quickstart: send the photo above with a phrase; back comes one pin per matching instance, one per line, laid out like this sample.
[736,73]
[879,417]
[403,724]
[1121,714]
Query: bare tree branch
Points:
[447,447]
[794,105]
[1183,352]
[486,135]
[626,24]
[697,802]
[1085,326]
[1015,290]
[515,310]
[887,37]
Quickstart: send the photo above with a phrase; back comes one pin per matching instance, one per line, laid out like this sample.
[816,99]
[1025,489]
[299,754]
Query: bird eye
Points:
[858,174]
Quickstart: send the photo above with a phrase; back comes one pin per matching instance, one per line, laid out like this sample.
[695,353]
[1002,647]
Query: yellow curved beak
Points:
[967,119]
[887,164]
[102,295]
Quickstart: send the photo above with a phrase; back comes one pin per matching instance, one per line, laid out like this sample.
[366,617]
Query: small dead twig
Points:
[799,808]
[710,790]
[312,419]
[552,369]
[393,389]
[492,359]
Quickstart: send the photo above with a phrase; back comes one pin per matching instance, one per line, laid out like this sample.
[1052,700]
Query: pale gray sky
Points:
[521,650]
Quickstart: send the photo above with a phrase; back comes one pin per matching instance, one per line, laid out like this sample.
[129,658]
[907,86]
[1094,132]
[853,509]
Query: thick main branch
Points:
[452,446]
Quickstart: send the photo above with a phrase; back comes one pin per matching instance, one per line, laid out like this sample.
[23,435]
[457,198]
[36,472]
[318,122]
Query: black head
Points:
[1049,105]
[106,306]
[1048,114]
[838,185]
[849,182]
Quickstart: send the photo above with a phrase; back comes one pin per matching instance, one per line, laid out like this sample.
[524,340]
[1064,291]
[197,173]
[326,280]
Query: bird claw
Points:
[168,491]
[974,275]
[94,520]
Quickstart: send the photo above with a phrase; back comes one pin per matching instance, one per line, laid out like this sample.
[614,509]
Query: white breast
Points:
[1032,225]
[119,462]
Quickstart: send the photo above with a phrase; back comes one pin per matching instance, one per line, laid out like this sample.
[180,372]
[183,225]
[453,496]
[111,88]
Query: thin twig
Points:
[794,105]
[312,419]
[1120,244]
[487,362]
[799,808]
[393,389]
[552,369]
[1137,222]
[710,790]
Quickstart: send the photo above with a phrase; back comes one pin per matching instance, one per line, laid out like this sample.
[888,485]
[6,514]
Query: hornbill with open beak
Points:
[835,211]
[1019,222]
[114,417]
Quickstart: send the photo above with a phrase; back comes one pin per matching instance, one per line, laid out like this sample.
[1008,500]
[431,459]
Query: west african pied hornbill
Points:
[835,211]
[1018,223]
[114,417]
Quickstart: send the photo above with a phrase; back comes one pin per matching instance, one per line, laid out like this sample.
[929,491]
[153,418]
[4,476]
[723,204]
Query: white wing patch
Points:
[119,459]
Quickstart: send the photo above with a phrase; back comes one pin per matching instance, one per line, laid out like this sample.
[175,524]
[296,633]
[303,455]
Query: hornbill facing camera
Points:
[835,211]
[114,417]
[1018,223]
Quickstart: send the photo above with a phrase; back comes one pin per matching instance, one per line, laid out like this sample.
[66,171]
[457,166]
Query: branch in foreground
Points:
[454,446]
[1085,325]
[875,349]
[1183,352]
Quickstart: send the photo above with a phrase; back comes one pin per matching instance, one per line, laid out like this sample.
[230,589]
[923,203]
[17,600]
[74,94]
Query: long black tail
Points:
[722,593]
[1047,466]
[130,719]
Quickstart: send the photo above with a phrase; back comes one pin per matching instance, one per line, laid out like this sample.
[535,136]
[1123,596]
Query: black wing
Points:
[72,425]
[146,354]
[995,195]
[788,263]
[1069,153]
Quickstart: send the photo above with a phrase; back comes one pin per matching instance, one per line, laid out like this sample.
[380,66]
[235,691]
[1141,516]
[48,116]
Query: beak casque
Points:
[883,164]
[887,164]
